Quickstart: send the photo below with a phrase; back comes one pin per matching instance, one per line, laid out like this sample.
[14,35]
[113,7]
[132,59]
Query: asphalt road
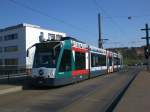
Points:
[91,95]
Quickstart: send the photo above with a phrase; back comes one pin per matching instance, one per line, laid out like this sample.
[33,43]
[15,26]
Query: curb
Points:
[10,90]
[119,95]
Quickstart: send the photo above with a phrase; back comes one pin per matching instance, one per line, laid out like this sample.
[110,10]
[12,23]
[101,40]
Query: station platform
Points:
[9,88]
[11,85]
[137,96]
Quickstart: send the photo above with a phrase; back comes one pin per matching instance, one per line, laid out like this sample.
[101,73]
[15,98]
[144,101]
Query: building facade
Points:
[15,40]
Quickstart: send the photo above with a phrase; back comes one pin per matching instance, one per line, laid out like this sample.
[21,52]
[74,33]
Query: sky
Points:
[78,18]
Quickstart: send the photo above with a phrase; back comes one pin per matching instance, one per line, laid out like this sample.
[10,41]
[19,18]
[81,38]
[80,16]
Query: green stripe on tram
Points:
[64,74]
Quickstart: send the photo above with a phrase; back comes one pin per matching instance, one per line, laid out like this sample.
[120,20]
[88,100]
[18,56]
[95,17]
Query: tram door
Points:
[65,64]
[109,62]
[81,63]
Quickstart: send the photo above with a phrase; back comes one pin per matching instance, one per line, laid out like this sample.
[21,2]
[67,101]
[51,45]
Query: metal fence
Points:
[10,71]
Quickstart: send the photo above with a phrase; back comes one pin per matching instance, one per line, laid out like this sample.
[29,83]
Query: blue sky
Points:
[78,18]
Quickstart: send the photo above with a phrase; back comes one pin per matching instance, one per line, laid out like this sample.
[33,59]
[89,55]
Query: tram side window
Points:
[93,60]
[110,61]
[102,60]
[98,60]
[79,60]
[116,61]
[65,64]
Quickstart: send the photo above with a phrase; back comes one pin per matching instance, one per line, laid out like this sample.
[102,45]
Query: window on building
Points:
[65,64]
[11,37]
[13,61]
[1,62]
[11,49]
[80,61]
[1,38]
[51,36]
[58,37]
[1,49]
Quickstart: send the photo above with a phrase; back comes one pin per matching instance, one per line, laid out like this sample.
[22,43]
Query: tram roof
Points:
[71,38]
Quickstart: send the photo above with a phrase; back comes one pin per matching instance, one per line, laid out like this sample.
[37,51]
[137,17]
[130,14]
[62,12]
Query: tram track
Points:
[98,96]
[97,92]
[120,94]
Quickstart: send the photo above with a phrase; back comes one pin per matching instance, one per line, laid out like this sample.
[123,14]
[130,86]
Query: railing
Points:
[11,71]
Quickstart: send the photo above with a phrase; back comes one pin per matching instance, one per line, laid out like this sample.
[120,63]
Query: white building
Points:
[15,40]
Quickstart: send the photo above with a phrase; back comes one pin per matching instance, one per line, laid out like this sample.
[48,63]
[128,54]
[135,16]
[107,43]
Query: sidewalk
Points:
[9,88]
[137,97]
[13,85]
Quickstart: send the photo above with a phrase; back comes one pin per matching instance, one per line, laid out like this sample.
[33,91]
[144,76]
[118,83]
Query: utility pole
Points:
[147,49]
[100,43]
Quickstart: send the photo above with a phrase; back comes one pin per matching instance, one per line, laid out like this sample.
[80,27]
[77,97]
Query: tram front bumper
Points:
[40,81]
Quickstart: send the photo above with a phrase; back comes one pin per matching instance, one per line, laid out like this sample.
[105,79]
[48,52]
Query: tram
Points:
[70,60]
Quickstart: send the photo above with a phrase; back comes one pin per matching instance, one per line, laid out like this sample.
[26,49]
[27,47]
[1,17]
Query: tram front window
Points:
[46,55]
